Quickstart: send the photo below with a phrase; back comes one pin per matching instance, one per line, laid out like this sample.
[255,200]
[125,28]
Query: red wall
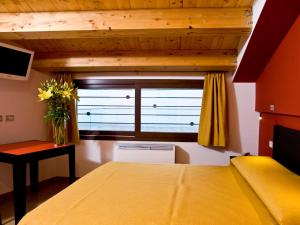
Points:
[279,84]
[266,129]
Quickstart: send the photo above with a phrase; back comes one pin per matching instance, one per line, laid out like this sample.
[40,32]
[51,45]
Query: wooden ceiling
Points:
[19,6]
[129,35]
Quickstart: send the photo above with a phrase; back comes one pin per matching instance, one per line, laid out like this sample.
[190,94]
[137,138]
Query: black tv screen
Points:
[15,62]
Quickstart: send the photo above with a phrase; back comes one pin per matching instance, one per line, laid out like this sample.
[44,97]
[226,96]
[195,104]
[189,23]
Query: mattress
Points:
[156,194]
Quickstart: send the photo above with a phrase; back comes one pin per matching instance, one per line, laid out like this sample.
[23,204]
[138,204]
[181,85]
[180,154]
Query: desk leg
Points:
[72,165]
[34,175]
[19,180]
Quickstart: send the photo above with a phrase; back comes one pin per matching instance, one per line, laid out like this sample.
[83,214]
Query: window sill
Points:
[161,137]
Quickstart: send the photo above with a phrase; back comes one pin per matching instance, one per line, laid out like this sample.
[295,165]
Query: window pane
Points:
[106,109]
[170,110]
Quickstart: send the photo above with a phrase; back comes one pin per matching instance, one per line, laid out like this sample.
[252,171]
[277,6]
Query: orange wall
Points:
[279,84]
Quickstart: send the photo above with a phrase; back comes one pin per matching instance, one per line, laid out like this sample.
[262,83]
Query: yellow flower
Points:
[66,94]
[44,95]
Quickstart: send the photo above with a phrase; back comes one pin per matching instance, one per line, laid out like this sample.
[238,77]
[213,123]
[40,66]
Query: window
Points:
[170,110]
[106,109]
[161,110]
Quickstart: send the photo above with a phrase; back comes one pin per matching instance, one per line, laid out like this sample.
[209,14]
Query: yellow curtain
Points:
[213,118]
[72,128]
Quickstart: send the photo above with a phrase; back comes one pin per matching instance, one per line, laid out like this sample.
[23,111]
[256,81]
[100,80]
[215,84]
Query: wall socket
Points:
[271,144]
[9,118]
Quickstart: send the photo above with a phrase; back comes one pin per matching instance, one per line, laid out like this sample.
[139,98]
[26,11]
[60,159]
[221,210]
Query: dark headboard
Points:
[286,147]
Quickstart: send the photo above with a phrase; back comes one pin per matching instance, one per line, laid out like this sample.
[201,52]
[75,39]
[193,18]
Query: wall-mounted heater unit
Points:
[145,153]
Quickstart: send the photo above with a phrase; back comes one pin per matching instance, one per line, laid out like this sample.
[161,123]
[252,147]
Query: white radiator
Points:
[145,153]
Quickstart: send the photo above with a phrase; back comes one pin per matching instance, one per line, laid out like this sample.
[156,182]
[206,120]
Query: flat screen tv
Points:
[15,62]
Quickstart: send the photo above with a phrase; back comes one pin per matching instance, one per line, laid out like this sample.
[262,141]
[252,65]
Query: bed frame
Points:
[286,147]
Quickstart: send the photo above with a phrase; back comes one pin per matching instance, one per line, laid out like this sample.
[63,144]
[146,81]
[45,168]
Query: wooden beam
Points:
[137,61]
[124,23]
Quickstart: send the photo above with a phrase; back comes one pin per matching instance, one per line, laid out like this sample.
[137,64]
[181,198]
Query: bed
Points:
[252,190]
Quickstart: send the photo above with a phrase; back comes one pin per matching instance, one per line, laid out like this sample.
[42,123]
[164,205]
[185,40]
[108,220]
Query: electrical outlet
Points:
[271,144]
[272,108]
[1,118]
[9,118]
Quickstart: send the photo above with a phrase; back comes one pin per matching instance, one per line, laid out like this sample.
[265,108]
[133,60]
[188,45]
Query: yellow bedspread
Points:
[145,194]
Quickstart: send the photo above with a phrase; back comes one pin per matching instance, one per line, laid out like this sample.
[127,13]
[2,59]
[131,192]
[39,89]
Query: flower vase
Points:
[59,132]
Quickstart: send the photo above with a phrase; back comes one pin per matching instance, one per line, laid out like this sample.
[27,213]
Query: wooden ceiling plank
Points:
[67,5]
[124,23]
[136,4]
[176,3]
[75,54]
[160,43]
[40,6]
[168,59]
[145,43]
[217,3]
[244,3]
[231,42]
[149,4]
[14,6]
[3,8]
[123,4]
[116,4]
[160,4]
[189,43]
[189,3]
[170,43]
[19,6]
[91,5]
[217,42]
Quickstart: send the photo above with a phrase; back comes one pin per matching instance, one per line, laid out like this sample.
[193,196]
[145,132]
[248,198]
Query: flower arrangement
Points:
[58,96]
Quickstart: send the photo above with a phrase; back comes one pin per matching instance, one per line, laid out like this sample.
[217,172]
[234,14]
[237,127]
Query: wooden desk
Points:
[18,154]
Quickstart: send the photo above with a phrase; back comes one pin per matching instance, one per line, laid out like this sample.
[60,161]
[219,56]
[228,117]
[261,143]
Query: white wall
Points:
[243,133]
[19,98]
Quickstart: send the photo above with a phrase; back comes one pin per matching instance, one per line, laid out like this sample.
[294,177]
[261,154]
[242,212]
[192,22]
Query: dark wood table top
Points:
[27,147]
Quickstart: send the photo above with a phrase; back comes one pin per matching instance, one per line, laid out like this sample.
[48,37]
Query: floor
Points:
[46,190]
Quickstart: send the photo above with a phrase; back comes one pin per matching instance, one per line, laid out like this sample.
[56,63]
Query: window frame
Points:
[138,84]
